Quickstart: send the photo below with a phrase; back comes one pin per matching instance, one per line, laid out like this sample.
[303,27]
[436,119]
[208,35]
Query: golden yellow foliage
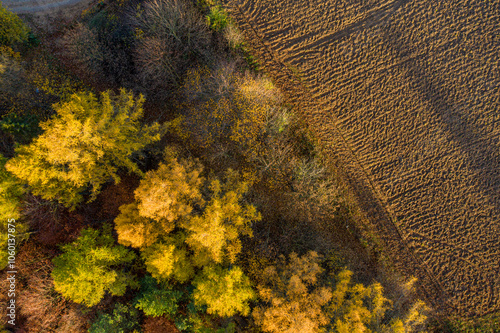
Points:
[135,230]
[12,28]
[92,266]
[174,237]
[83,146]
[214,235]
[165,200]
[296,301]
[168,259]
[293,301]
[225,106]
[168,193]
[225,292]
[356,308]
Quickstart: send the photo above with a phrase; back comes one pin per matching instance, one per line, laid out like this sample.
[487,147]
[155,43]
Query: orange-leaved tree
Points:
[292,296]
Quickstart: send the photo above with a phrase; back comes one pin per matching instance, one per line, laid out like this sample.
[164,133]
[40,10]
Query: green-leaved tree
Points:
[156,300]
[92,266]
[123,319]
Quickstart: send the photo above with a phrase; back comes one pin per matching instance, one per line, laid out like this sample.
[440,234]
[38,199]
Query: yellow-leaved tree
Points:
[164,196]
[12,28]
[356,308]
[83,146]
[214,235]
[182,221]
[12,229]
[297,299]
[228,109]
[92,266]
[225,291]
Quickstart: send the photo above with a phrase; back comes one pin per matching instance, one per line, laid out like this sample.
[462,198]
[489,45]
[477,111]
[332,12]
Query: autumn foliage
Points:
[95,137]
[297,298]
[293,297]
[92,266]
[182,221]
[201,204]
[12,28]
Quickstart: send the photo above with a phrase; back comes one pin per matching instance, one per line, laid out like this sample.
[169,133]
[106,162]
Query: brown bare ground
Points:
[405,98]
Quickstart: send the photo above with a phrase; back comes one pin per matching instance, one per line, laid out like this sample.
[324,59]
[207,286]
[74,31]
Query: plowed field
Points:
[405,98]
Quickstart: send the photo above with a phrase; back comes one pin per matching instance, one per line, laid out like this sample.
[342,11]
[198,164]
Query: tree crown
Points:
[83,146]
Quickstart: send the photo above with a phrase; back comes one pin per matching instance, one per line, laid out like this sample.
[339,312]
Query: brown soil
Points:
[405,98]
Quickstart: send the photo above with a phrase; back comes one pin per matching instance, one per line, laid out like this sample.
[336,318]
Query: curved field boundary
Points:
[405,248]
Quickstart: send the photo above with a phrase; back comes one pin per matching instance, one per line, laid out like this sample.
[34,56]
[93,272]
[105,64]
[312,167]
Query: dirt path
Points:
[40,6]
[405,97]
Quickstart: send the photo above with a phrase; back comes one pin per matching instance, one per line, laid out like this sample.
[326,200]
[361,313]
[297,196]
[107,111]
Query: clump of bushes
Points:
[170,38]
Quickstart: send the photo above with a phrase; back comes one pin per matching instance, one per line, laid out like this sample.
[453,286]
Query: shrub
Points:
[233,36]
[217,19]
[84,48]
[312,192]
[45,310]
[40,307]
[83,146]
[51,222]
[92,265]
[172,38]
